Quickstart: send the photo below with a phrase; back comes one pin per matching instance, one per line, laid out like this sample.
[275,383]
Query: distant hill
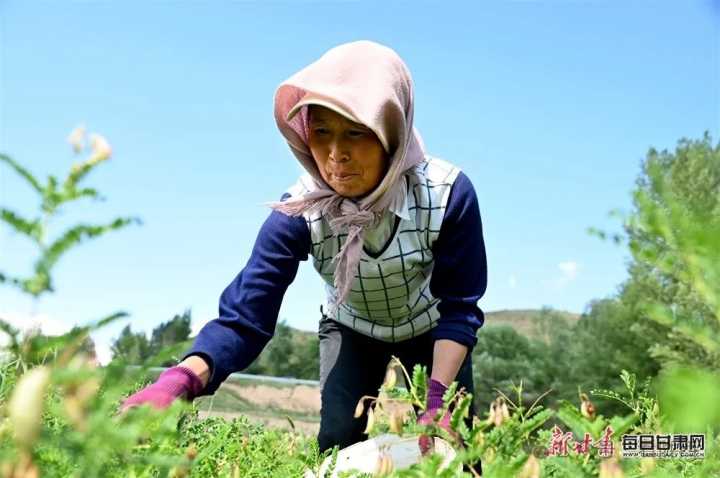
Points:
[525,321]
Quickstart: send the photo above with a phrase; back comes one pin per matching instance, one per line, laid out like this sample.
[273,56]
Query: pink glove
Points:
[171,384]
[434,403]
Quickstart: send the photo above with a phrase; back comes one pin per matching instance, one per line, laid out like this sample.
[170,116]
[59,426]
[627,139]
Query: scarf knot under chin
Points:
[344,217]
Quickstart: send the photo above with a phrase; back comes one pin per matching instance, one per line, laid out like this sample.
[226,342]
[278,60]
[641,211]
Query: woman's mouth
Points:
[343,177]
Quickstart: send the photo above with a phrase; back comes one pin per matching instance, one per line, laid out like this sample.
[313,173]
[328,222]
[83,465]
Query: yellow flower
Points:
[491,414]
[499,412]
[647,465]
[587,409]
[370,421]
[384,464]
[505,411]
[396,422]
[26,405]
[611,469]
[531,468]
[390,377]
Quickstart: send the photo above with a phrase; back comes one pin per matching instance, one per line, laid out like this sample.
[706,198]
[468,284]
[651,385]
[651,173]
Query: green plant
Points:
[53,196]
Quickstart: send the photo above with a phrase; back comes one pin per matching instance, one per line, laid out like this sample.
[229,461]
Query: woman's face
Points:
[350,157]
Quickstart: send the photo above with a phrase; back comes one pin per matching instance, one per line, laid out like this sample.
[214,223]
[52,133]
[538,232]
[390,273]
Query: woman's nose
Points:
[338,152]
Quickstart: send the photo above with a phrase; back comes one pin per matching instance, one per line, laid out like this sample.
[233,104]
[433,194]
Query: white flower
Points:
[101,149]
[77,138]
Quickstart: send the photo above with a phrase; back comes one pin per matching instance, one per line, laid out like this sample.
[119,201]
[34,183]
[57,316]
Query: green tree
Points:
[308,352]
[87,346]
[604,342]
[290,353]
[135,348]
[131,347]
[673,235]
[562,358]
[502,357]
[173,332]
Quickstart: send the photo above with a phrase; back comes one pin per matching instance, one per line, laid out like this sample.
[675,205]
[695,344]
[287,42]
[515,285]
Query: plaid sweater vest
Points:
[390,297]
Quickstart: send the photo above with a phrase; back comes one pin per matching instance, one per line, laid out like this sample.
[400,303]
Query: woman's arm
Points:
[448,357]
[199,367]
[249,306]
[459,280]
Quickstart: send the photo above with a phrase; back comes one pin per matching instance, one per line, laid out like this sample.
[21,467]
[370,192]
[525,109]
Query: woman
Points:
[395,234]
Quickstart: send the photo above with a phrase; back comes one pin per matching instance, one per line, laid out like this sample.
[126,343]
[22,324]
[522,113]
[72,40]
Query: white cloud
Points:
[569,269]
[568,273]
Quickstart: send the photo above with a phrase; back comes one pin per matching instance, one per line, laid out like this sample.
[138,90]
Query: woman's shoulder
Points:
[303,185]
[434,172]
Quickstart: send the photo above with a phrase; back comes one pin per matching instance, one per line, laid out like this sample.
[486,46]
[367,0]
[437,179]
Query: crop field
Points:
[73,430]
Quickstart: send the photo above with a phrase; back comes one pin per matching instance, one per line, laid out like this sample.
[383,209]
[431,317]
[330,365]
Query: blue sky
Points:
[548,107]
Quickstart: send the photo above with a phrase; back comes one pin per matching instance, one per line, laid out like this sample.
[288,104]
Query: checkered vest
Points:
[390,297]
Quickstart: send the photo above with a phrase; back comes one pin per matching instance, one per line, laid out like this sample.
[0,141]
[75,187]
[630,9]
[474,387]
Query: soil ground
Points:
[284,406]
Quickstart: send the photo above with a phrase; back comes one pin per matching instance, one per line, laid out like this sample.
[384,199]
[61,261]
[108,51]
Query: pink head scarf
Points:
[370,84]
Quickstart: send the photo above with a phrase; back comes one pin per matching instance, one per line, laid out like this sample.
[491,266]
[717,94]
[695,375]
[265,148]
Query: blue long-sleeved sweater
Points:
[250,305]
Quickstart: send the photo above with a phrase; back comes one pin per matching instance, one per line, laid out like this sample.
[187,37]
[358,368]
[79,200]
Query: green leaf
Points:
[571,416]
[22,172]
[88,192]
[420,385]
[74,236]
[32,229]
[78,172]
[690,398]
[449,394]
[536,421]
[37,284]
[629,381]
[462,410]
[621,425]
[51,197]
[74,194]
[8,328]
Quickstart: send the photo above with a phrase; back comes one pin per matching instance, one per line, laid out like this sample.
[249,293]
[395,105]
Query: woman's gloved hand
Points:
[434,403]
[173,383]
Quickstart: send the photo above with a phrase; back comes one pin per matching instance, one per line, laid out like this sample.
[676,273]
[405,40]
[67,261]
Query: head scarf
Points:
[370,84]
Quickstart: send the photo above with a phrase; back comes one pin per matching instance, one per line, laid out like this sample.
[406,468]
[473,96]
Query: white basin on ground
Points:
[363,456]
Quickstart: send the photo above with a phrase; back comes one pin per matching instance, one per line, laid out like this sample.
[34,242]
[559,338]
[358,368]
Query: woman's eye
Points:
[320,131]
[356,133]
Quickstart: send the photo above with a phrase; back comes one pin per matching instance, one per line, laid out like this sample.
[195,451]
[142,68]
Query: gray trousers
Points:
[353,365]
